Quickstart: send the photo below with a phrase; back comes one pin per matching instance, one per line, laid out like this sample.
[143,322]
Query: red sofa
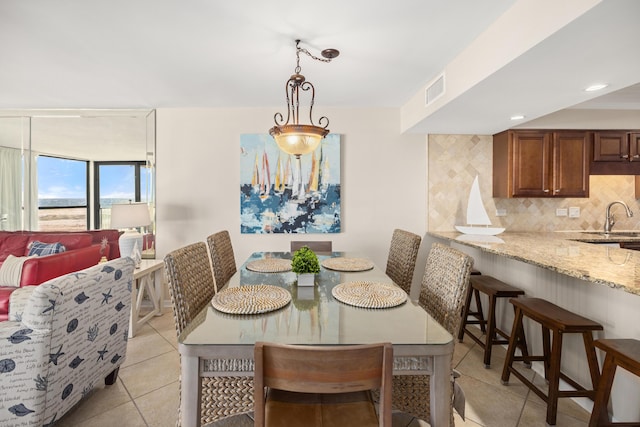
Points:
[83,249]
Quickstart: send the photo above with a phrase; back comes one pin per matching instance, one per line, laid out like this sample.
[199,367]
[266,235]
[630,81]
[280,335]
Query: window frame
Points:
[87,205]
[138,165]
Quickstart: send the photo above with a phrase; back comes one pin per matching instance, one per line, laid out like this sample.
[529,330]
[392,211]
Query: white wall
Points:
[198,188]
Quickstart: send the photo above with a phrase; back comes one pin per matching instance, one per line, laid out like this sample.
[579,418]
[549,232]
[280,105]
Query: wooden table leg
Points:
[159,287]
[152,284]
[133,318]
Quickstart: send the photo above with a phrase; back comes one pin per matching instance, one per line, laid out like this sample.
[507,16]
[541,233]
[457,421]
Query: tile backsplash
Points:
[454,161]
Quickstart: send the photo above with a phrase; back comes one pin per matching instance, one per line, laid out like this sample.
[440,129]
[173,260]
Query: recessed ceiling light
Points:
[517,117]
[595,87]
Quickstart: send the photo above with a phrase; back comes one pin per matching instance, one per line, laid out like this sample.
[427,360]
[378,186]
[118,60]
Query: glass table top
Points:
[314,316]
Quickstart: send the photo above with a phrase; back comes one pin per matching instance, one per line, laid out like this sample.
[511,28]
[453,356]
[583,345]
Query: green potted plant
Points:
[305,264]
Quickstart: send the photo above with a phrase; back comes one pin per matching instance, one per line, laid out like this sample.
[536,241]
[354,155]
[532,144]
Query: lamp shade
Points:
[129,215]
[298,139]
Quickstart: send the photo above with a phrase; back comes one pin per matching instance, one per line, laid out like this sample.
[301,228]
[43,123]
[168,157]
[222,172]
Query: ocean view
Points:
[104,203]
[70,214]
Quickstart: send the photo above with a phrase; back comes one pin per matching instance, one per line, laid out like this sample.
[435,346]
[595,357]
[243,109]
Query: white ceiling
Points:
[623,99]
[203,53]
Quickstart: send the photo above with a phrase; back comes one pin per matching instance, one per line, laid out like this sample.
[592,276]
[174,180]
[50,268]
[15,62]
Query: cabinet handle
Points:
[556,191]
[636,156]
[624,156]
[546,191]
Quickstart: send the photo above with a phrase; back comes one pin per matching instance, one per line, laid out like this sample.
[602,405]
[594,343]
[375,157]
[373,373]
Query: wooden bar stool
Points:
[494,289]
[619,352]
[474,272]
[559,321]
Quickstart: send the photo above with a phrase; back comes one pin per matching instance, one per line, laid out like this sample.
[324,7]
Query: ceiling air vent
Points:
[434,90]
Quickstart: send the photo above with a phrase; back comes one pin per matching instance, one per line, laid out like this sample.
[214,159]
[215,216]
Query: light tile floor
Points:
[146,393]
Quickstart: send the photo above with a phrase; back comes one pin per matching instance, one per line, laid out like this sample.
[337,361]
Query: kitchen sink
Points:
[614,233]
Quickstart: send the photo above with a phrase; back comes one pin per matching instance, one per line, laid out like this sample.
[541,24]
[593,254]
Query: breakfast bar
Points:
[575,271]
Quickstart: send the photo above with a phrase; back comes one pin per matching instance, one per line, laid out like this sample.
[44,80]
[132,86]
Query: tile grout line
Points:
[161,335]
[132,400]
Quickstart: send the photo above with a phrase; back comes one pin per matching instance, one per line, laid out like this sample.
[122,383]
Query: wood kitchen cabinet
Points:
[616,152]
[540,163]
[634,246]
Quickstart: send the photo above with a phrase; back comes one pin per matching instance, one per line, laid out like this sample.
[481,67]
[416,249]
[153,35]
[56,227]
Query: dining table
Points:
[352,302]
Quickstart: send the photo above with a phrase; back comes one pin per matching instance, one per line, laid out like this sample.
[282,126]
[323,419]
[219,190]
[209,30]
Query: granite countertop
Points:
[570,253]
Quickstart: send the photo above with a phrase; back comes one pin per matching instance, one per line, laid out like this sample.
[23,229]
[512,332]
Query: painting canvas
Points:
[275,198]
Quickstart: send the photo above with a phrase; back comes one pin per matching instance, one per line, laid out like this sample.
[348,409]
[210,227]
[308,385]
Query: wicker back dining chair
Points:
[322,385]
[190,282]
[223,261]
[191,287]
[444,286]
[401,262]
[319,246]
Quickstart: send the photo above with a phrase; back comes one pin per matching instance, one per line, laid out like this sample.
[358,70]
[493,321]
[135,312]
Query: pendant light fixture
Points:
[291,136]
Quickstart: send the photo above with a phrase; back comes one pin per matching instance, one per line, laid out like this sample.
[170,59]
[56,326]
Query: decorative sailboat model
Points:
[477,219]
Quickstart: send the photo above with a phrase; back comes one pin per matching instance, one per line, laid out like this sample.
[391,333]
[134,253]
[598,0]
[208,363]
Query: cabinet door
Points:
[634,147]
[531,163]
[634,246]
[610,147]
[571,164]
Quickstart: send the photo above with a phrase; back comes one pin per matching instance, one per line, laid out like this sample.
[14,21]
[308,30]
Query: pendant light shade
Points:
[298,139]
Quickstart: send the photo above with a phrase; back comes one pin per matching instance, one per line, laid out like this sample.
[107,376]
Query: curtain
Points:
[31,196]
[10,189]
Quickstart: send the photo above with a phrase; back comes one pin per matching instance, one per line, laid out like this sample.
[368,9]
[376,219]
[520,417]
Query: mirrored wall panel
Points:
[63,170]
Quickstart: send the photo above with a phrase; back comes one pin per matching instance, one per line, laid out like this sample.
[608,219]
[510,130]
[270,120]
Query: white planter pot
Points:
[306,279]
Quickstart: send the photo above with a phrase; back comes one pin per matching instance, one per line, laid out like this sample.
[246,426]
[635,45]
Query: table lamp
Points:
[129,216]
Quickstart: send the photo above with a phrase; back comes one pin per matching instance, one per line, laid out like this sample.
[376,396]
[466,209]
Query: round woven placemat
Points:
[270,265]
[369,294]
[251,299]
[347,264]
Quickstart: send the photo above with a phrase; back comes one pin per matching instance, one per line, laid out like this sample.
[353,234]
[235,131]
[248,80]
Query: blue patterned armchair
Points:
[63,338]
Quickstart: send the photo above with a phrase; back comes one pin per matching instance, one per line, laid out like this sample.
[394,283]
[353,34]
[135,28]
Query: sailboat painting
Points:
[478,221]
[275,197]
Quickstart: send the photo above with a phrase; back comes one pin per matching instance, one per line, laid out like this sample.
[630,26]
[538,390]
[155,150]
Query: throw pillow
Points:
[11,270]
[39,249]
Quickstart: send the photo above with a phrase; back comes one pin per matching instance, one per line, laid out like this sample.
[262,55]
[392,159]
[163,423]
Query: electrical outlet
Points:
[501,212]
[561,212]
[574,212]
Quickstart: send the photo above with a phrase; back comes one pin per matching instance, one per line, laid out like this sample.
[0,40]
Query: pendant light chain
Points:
[305,51]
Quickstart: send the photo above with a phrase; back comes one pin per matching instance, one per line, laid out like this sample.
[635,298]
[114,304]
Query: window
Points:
[62,194]
[118,182]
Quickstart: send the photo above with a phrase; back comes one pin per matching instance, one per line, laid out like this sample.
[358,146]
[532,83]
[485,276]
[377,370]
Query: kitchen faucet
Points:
[610,219]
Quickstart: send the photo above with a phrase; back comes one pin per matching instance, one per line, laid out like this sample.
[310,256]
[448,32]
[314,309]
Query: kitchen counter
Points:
[569,253]
[596,281]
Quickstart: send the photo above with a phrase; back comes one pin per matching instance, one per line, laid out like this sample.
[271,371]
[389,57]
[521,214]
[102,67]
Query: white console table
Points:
[148,280]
